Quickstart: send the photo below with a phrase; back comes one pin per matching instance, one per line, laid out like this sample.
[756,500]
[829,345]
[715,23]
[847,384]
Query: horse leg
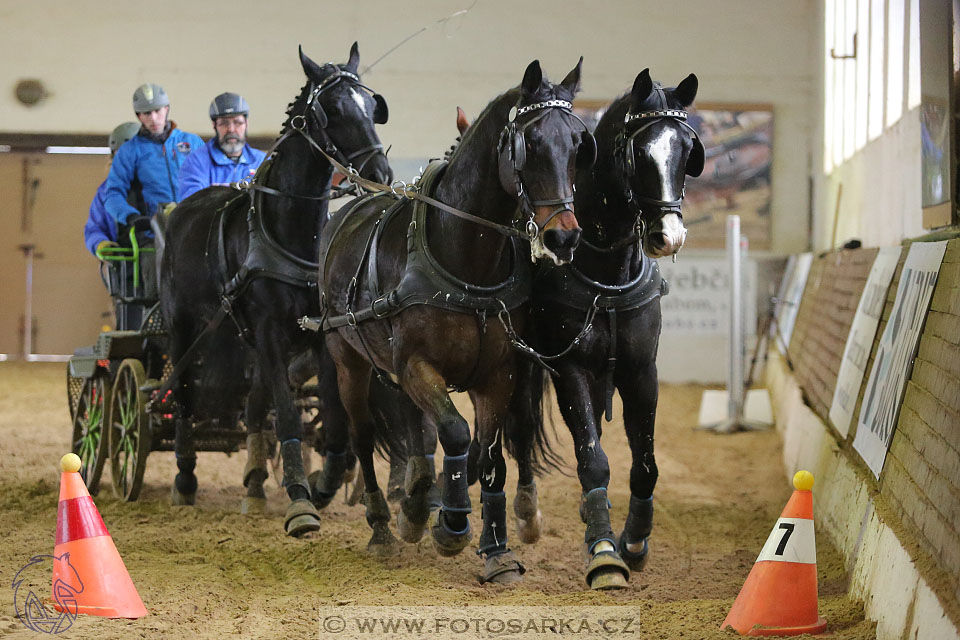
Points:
[337,452]
[301,516]
[185,484]
[639,396]
[426,387]
[525,415]
[353,380]
[500,564]
[255,473]
[581,404]
[419,488]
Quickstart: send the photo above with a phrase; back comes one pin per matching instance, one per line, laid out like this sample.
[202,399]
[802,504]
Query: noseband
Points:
[513,142]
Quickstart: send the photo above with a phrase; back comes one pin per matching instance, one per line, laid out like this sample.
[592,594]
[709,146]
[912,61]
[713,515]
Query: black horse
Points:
[430,297]
[628,205]
[238,271]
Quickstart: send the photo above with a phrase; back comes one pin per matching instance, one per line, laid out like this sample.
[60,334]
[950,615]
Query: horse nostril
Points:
[561,239]
[657,240]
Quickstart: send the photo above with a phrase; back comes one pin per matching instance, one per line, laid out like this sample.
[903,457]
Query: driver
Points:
[226,157]
[153,157]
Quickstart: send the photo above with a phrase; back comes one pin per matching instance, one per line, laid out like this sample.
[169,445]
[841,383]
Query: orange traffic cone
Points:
[88,574]
[779,597]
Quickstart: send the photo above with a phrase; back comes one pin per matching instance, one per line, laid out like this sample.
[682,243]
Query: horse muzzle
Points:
[666,236]
[558,238]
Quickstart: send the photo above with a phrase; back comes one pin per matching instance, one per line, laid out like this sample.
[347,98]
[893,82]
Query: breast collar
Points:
[424,280]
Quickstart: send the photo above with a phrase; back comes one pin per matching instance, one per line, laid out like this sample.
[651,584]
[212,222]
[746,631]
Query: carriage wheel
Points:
[89,442]
[129,430]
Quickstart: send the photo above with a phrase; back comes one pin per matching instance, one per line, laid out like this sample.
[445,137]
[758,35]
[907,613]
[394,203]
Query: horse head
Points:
[541,147]
[656,150]
[341,113]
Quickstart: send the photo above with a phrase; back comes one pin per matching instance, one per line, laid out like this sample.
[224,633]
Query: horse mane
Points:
[503,102]
[292,110]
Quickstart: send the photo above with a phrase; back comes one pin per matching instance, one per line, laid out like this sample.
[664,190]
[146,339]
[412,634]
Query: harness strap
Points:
[611,363]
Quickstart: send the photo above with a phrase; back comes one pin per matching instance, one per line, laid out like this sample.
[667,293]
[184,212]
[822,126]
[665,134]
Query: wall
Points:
[907,524]
[92,57]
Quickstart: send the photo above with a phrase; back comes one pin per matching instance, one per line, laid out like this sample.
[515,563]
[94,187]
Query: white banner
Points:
[894,359]
[699,298]
[792,292]
[860,340]
[792,540]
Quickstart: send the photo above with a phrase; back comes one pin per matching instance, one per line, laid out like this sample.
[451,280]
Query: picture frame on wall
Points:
[736,179]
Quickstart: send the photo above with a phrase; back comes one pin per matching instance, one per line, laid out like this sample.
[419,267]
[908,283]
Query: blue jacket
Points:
[100,226]
[157,168]
[208,165]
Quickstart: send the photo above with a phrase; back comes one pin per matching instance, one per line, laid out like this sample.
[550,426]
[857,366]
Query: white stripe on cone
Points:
[792,540]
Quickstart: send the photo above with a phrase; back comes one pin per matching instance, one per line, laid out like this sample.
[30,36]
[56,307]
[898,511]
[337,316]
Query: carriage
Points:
[111,384]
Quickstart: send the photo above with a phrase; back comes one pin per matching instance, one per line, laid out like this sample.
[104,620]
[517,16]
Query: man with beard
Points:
[226,157]
[151,160]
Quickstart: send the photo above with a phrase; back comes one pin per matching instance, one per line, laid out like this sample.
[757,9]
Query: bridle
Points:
[512,148]
[315,109]
[299,124]
[624,160]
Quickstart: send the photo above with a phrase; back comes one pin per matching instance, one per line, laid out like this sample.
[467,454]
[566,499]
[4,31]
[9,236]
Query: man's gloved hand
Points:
[168,208]
[105,244]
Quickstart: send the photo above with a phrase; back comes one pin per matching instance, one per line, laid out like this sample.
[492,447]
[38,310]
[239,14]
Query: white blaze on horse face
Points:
[660,150]
[359,100]
[674,233]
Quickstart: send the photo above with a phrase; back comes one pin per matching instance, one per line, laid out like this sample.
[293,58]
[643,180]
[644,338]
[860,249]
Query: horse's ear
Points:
[462,123]
[642,87]
[572,81]
[309,66]
[532,78]
[354,61]
[686,91]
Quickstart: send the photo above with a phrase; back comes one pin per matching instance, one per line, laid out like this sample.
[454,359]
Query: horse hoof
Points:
[607,571]
[529,530]
[251,505]
[355,491]
[382,543]
[318,496]
[301,518]
[395,494]
[409,530]
[635,554]
[502,568]
[178,499]
[448,543]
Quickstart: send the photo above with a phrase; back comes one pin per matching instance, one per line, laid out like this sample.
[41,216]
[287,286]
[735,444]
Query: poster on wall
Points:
[699,300]
[860,340]
[895,353]
[795,281]
[738,158]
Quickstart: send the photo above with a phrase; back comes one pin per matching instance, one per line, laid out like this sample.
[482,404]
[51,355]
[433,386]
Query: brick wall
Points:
[920,483]
[826,312]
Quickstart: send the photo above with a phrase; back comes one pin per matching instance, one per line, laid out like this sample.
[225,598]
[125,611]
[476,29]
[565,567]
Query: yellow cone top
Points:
[803,480]
[70,463]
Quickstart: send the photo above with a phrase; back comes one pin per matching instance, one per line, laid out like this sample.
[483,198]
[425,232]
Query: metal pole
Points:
[735,377]
[28,302]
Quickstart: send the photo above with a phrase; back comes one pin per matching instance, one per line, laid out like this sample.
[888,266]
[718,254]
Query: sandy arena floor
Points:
[209,572]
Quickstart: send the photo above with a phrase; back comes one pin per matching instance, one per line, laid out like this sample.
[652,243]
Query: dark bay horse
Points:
[238,271]
[629,206]
[414,289]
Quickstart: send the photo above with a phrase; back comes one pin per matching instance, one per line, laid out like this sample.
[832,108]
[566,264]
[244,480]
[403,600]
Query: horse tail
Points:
[525,433]
[394,414]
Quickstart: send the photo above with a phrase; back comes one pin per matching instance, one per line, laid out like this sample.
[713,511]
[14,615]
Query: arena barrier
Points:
[867,397]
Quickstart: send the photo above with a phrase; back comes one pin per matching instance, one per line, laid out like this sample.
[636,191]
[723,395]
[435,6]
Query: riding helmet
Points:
[228,104]
[121,134]
[149,97]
